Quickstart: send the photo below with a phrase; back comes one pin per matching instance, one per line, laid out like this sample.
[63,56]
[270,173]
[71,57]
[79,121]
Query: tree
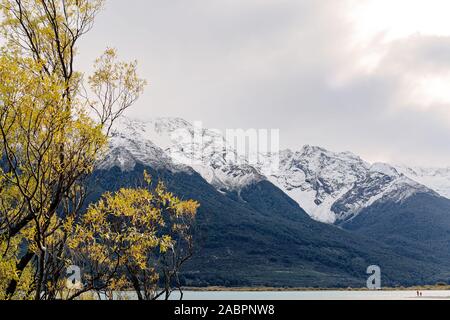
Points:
[8,270]
[135,238]
[51,133]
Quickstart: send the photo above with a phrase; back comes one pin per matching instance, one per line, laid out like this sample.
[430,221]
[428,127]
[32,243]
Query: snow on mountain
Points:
[437,179]
[315,178]
[331,187]
[334,187]
[129,144]
[178,144]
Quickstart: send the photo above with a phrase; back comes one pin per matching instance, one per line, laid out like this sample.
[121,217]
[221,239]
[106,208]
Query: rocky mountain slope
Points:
[331,187]
[252,229]
[335,187]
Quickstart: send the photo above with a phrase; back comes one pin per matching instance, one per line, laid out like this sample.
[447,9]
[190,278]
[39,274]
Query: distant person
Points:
[418,293]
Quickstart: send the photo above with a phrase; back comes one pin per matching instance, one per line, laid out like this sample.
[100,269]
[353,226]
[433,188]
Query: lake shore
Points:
[308,295]
[274,289]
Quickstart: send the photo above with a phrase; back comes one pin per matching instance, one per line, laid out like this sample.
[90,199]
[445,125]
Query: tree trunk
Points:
[24,261]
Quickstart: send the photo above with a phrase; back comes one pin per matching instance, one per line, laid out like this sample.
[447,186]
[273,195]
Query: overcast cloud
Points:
[368,76]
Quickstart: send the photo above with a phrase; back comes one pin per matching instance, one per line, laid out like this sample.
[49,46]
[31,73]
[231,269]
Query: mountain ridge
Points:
[332,187]
[254,232]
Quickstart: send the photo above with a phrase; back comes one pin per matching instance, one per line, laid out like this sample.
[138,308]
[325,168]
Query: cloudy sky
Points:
[369,76]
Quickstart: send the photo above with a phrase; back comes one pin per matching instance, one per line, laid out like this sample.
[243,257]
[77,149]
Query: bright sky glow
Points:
[400,18]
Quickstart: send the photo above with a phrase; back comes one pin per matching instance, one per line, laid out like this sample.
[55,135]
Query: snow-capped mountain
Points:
[315,178]
[382,213]
[334,187]
[437,179]
[131,142]
[331,187]
[178,145]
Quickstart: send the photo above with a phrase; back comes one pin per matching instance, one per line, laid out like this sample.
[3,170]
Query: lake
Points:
[314,295]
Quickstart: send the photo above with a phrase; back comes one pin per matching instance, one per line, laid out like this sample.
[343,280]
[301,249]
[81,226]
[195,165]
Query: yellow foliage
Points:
[9,251]
[52,133]
[132,229]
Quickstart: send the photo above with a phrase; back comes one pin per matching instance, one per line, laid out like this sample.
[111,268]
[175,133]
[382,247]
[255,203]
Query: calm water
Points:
[302,295]
[315,295]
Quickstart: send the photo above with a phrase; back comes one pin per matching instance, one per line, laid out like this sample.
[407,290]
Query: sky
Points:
[367,76]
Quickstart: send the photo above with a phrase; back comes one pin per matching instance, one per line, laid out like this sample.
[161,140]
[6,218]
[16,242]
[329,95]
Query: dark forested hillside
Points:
[260,237]
[419,226]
